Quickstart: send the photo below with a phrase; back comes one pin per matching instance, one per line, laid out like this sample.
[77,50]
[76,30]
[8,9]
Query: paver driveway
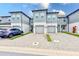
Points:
[65,42]
[27,41]
[60,41]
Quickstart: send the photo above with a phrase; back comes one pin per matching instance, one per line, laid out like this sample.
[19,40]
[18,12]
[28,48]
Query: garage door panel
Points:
[39,29]
[51,29]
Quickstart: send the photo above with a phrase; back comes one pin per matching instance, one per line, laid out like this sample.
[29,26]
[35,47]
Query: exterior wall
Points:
[74,17]
[37,16]
[20,21]
[25,24]
[39,20]
[16,20]
[5,22]
[8,20]
[61,22]
[44,20]
[51,18]
[73,21]
[74,24]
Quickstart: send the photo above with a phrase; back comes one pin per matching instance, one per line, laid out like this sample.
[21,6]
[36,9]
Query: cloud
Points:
[45,5]
[61,13]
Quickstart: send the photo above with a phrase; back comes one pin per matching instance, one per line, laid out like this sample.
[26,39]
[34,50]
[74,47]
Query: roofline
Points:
[52,12]
[5,16]
[72,12]
[61,17]
[20,12]
[40,10]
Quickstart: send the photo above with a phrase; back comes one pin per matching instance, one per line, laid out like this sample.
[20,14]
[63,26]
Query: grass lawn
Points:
[48,38]
[77,35]
[17,36]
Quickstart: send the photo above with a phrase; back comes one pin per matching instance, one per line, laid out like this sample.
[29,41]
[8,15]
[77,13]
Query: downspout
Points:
[21,23]
[68,23]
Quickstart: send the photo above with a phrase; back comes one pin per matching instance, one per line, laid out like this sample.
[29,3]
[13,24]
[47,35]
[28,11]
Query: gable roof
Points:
[20,12]
[72,12]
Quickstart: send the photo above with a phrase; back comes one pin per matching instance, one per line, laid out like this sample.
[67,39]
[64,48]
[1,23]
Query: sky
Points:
[64,8]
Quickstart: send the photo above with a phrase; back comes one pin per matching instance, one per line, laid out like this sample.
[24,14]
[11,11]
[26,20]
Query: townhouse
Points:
[42,21]
[73,21]
[48,22]
[17,19]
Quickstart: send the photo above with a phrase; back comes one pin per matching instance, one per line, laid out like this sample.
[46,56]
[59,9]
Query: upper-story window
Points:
[64,20]
[0,20]
[53,17]
[13,17]
[9,20]
[18,16]
[36,15]
[42,15]
[49,17]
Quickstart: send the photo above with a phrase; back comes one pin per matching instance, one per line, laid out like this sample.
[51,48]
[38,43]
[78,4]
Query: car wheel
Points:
[10,35]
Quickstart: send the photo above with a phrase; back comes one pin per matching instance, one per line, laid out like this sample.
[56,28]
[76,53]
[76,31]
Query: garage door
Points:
[5,27]
[39,29]
[51,29]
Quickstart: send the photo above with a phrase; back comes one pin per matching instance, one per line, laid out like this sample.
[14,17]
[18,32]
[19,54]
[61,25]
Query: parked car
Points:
[10,32]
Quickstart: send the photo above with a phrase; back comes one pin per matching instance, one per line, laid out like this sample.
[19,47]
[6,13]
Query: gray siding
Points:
[5,20]
[16,18]
[52,18]
[74,17]
[39,16]
[62,21]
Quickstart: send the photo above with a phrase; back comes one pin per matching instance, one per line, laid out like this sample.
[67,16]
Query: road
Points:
[15,54]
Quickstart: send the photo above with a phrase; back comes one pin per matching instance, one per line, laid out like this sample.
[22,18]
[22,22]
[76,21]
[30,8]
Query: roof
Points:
[72,12]
[52,12]
[62,17]
[20,12]
[40,10]
[5,16]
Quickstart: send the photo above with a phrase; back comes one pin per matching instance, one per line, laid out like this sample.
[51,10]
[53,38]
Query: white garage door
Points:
[5,27]
[39,29]
[51,29]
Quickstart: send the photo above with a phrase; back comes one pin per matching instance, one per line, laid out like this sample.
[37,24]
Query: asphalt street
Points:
[15,54]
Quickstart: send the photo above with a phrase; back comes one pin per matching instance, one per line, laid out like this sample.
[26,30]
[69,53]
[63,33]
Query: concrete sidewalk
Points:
[46,52]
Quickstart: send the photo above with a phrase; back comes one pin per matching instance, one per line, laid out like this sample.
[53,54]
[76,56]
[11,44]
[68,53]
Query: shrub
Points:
[48,37]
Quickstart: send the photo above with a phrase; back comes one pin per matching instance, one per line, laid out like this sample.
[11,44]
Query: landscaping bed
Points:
[74,34]
[48,38]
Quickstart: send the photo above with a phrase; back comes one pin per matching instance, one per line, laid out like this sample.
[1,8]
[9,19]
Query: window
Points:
[53,17]
[36,16]
[17,17]
[9,20]
[13,18]
[64,20]
[42,15]
[0,20]
[49,17]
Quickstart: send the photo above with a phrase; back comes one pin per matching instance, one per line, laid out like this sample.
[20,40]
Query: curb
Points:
[36,51]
